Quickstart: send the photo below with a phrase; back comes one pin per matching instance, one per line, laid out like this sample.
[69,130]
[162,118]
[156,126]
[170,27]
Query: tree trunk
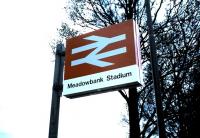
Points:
[155,72]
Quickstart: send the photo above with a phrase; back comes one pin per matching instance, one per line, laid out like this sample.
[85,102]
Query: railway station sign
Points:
[103,60]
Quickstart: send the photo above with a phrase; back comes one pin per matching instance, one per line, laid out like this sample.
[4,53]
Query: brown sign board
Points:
[103,60]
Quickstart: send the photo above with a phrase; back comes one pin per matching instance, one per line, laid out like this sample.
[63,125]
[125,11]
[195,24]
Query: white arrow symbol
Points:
[99,44]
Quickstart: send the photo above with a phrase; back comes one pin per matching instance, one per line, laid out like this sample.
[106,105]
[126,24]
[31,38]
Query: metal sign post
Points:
[134,127]
[57,91]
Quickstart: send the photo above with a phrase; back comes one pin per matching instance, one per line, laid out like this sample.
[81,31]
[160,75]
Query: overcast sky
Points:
[26,75]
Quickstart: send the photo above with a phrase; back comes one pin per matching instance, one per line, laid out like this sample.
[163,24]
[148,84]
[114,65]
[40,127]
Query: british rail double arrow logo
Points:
[101,50]
[100,43]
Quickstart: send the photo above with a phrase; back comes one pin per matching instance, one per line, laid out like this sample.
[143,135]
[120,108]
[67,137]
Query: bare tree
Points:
[177,40]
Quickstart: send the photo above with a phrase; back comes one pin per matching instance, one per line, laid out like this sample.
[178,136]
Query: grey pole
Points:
[134,127]
[156,75]
[134,122]
[56,91]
